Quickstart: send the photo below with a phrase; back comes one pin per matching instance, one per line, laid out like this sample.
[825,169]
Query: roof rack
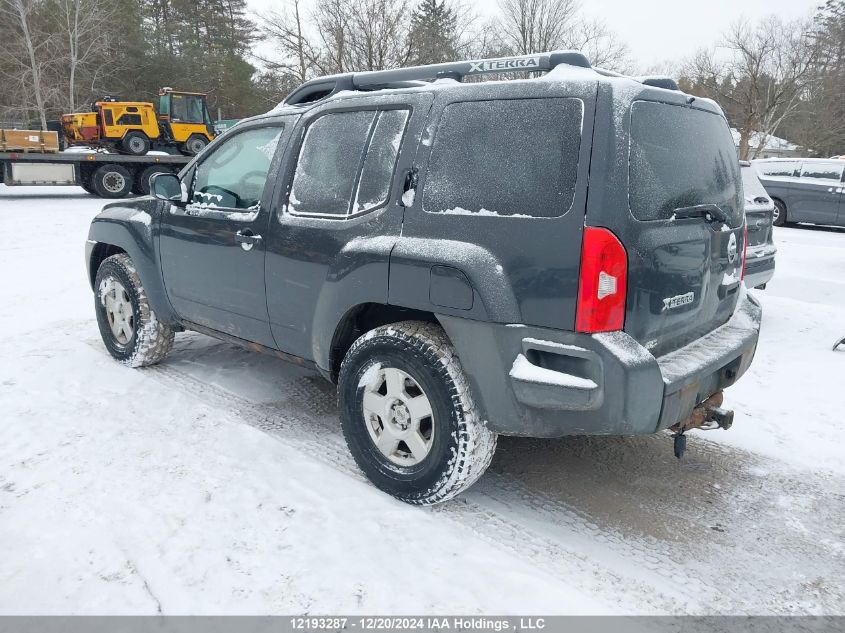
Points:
[323,87]
[405,77]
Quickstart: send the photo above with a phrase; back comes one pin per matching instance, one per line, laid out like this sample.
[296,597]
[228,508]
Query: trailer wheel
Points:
[144,178]
[194,145]
[85,183]
[111,181]
[135,143]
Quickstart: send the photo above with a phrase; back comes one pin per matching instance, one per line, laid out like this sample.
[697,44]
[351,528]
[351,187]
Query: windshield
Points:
[681,157]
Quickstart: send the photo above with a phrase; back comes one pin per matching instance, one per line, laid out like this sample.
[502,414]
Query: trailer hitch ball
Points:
[723,417]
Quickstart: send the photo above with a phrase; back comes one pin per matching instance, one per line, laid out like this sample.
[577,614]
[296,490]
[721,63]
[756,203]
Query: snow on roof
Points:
[774,143]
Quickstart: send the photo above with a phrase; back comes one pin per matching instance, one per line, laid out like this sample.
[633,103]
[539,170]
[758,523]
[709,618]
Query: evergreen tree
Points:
[433,37]
[201,46]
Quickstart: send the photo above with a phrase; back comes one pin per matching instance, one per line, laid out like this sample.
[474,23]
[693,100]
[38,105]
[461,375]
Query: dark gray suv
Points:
[805,190]
[541,257]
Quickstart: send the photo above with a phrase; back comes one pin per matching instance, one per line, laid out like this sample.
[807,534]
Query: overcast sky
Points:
[658,31]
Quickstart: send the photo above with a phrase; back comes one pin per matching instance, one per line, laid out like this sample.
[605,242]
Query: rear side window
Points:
[505,157]
[681,157]
[786,168]
[346,162]
[825,171]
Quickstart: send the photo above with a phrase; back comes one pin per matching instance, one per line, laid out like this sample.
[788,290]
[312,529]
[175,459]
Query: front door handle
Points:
[247,239]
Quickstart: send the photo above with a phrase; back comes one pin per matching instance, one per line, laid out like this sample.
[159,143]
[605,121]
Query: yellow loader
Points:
[133,127]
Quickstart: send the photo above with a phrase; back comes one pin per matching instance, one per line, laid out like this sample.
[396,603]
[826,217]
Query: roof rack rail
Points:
[403,77]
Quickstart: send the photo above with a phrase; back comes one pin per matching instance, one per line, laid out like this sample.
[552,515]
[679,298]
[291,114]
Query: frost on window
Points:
[346,162]
[233,176]
[329,163]
[681,157]
[377,173]
[509,157]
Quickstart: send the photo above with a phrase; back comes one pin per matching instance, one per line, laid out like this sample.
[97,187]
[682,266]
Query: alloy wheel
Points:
[118,306]
[398,417]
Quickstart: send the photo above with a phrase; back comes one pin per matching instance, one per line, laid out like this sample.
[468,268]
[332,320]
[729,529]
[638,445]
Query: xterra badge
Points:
[676,302]
[505,64]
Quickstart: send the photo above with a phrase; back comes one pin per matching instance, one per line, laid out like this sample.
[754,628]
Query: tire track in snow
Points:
[471,511]
[641,574]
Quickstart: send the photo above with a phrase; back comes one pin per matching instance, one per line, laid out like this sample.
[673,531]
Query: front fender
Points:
[132,227]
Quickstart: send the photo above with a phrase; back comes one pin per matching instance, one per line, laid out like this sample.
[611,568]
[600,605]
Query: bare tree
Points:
[287,30]
[21,13]
[758,73]
[362,34]
[534,26]
[87,40]
[601,45]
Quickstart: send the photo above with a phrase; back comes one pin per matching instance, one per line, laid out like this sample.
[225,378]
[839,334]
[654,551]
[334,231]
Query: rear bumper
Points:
[760,266]
[538,382]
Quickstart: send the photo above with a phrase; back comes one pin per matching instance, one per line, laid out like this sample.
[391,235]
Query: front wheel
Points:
[408,415]
[128,326]
[779,215]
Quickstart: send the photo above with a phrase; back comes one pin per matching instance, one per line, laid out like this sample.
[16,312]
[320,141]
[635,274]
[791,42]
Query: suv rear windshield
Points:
[681,157]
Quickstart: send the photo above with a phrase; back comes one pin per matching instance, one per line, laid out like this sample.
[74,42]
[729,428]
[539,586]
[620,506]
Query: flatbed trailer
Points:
[99,173]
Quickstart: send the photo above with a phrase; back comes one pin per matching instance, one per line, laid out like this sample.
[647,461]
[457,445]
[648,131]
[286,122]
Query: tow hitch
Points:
[706,416]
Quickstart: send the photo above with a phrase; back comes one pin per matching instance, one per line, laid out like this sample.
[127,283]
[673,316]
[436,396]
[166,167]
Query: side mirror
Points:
[168,187]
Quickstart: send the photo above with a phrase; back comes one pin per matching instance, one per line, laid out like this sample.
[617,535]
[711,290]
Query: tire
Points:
[86,185]
[111,181]
[779,218]
[194,145]
[130,330]
[135,144]
[142,182]
[453,446]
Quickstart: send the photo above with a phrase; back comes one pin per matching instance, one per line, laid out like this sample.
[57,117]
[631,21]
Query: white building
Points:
[775,147]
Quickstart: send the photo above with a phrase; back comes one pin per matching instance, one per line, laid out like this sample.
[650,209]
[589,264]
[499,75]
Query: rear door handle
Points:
[247,239]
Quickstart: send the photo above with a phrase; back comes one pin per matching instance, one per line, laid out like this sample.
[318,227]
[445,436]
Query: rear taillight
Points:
[744,252]
[603,284]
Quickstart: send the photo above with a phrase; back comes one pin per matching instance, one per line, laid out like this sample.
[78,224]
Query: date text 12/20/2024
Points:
[378,623]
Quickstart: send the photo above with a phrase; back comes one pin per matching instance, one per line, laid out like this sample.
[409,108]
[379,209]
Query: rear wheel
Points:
[779,216]
[194,145]
[128,326]
[85,183]
[135,143]
[143,181]
[408,416]
[111,181]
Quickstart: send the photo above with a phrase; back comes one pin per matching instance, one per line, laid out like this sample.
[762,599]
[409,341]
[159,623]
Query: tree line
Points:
[778,78]
[771,76]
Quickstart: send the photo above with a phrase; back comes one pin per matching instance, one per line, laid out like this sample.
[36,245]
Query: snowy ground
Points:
[218,482]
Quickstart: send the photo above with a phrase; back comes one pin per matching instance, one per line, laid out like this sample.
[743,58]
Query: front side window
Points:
[234,175]
[824,171]
[507,157]
[681,157]
[346,163]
